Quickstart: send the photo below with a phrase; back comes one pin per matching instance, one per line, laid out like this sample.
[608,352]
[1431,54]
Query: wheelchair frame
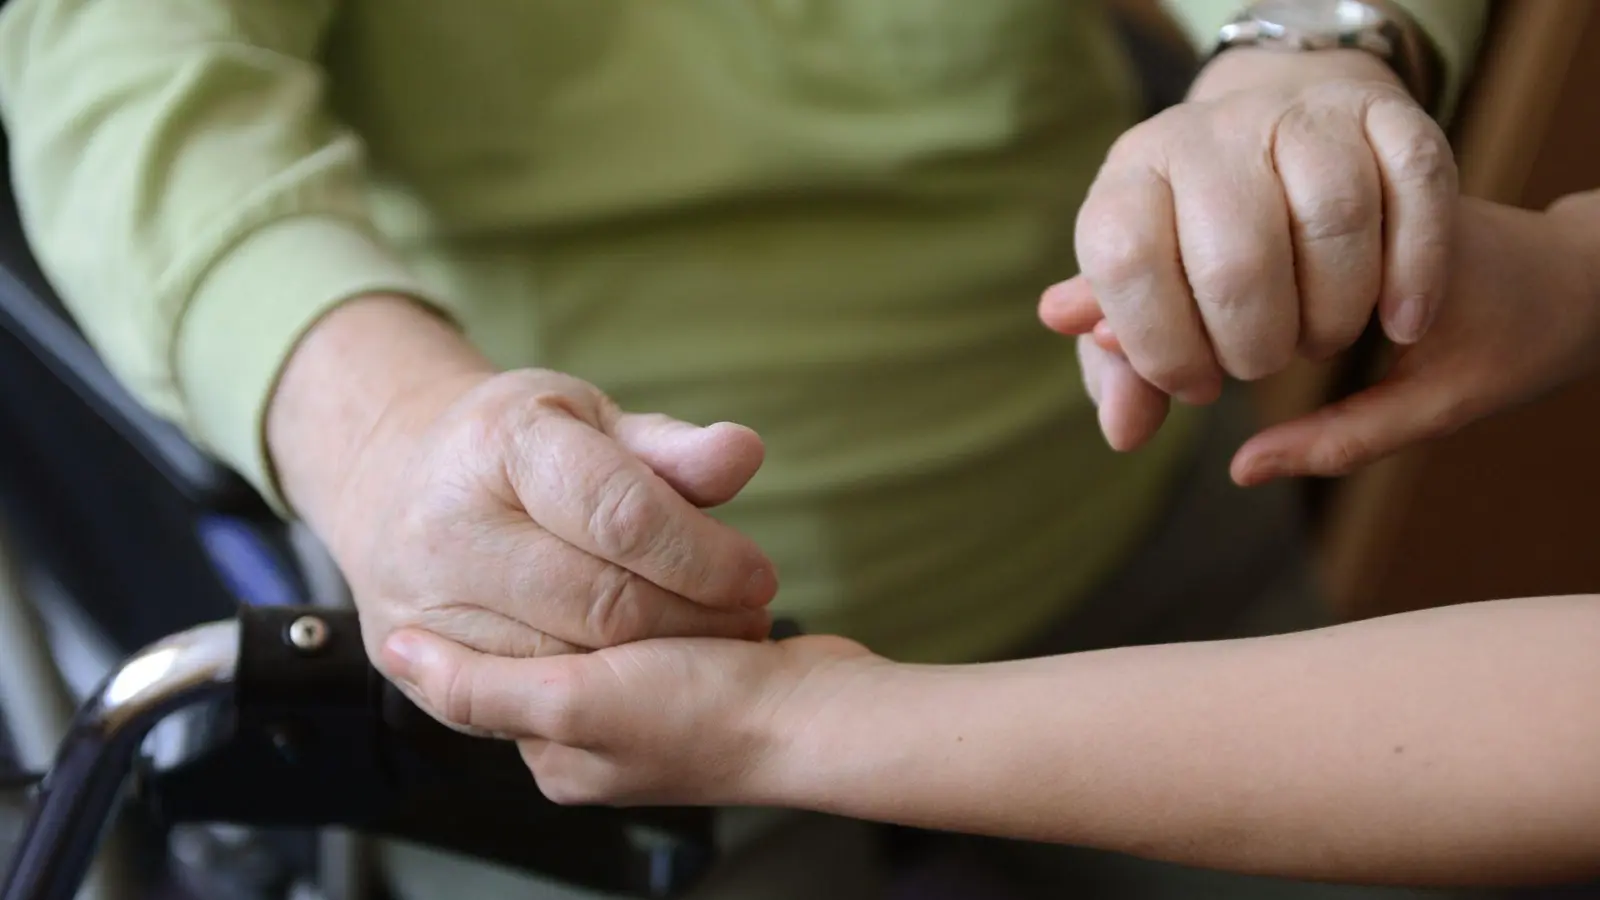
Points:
[400,773]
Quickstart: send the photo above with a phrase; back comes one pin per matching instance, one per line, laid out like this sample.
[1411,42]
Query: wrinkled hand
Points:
[523,515]
[1230,233]
[661,722]
[1521,318]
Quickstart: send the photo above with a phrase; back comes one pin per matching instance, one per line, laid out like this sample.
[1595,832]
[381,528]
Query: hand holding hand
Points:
[661,722]
[1269,216]
[1522,317]
[523,515]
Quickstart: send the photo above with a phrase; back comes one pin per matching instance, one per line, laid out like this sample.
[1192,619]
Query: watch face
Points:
[1316,16]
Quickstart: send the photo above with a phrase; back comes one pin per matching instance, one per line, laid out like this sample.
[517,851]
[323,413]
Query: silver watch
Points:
[1376,26]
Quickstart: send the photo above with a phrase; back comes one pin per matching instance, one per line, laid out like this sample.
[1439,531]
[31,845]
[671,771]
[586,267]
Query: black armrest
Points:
[30,311]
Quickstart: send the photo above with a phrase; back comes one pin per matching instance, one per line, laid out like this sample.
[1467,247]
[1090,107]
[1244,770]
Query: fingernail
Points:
[1262,469]
[1410,320]
[761,588]
[406,655]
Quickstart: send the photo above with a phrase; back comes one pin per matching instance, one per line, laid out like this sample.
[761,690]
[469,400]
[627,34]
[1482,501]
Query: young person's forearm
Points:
[1453,746]
[342,378]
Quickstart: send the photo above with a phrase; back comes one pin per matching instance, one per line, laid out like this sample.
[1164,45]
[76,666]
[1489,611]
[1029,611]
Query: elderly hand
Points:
[520,513]
[1522,317]
[1269,215]
[662,722]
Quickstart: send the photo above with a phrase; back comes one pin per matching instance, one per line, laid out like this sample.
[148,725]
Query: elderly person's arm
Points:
[189,189]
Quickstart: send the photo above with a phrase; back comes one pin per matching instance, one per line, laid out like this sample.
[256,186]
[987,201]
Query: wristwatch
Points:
[1376,26]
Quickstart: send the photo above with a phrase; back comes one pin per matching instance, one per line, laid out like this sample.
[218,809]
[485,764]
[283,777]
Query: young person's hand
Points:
[681,721]
[1522,317]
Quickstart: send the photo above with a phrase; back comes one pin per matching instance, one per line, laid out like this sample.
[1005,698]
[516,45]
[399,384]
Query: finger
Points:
[548,586]
[1128,249]
[1092,365]
[1354,432]
[1418,172]
[1106,339]
[1335,201]
[1070,307]
[708,466]
[584,488]
[1131,410]
[550,697]
[1233,233]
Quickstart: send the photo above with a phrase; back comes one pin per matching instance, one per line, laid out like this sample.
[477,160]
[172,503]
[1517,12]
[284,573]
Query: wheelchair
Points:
[264,723]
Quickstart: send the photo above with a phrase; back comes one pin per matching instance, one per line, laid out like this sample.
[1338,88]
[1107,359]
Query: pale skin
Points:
[1448,747]
[522,514]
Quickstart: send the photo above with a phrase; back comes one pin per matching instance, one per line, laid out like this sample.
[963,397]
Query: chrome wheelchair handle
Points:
[80,794]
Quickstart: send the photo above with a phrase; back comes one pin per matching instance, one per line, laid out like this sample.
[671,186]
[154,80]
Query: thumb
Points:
[708,466]
[1070,307]
[1404,409]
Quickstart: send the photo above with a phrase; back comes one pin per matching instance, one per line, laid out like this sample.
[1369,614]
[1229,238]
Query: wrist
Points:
[1247,68]
[361,377]
[826,737]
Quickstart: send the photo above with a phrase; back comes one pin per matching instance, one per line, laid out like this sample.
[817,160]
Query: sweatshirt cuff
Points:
[248,315]
[1454,26]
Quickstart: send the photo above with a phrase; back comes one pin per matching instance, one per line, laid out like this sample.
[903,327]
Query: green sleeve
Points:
[187,192]
[1455,26]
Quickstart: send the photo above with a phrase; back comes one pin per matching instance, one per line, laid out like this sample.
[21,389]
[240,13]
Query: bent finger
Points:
[1131,410]
[1335,201]
[1127,244]
[1419,194]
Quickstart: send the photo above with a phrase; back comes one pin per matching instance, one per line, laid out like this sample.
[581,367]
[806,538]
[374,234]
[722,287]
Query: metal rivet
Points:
[308,634]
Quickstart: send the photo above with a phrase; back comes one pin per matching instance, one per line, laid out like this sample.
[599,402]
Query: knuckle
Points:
[1341,213]
[1111,249]
[1224,281]
[615,616]
[625,517]
[1423,158]
[1133,146]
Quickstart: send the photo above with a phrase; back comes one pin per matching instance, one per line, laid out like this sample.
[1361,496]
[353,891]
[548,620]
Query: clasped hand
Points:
[1221,240]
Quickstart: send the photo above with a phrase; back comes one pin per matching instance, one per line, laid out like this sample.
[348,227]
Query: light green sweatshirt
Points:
[825,219]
